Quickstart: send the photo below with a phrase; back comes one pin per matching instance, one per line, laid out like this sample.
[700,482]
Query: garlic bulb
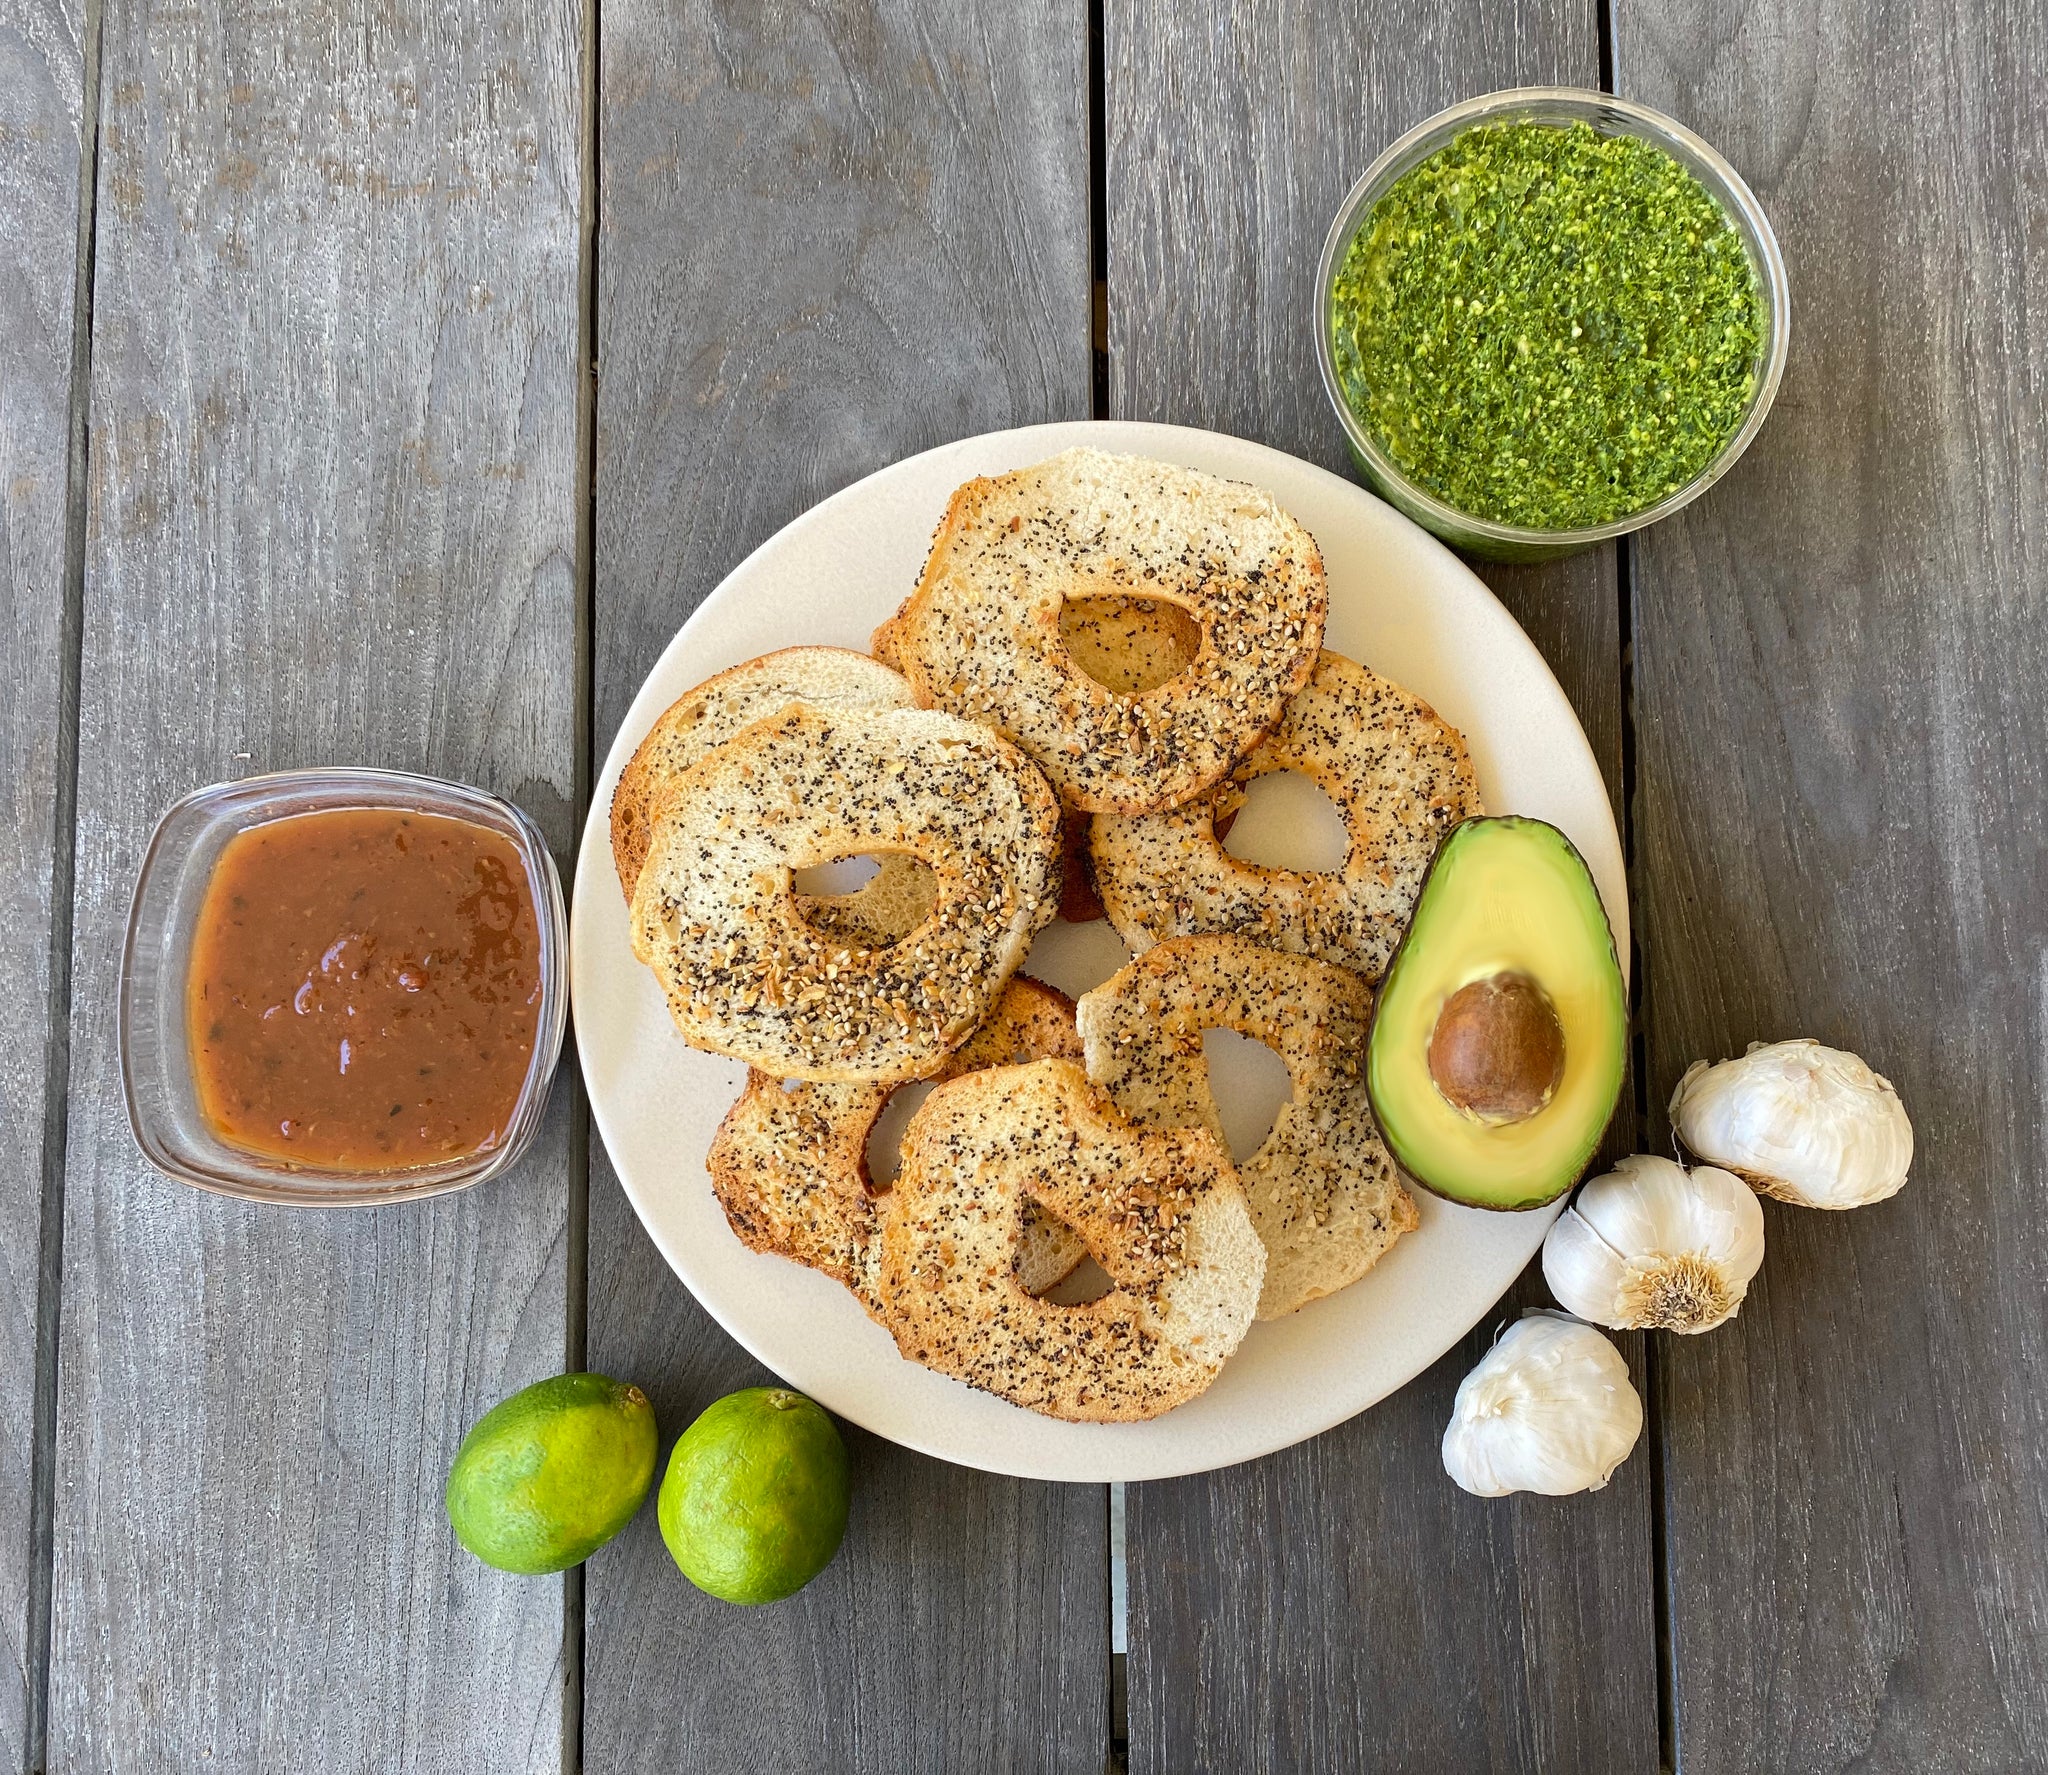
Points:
[1549,1409]
[1800,1122]
[1651,1246]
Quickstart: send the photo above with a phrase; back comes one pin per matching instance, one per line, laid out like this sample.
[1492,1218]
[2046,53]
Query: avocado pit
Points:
[1497,1051]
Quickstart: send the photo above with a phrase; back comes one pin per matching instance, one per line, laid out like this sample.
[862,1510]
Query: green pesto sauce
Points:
[1547,326]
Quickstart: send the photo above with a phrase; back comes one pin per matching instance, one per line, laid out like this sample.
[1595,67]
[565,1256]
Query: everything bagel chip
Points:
[789,1162]
[1325,1194]
[746,974]
[981,635]
[1159,1209]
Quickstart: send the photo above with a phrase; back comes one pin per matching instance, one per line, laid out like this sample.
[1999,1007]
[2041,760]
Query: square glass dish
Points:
[157,1069]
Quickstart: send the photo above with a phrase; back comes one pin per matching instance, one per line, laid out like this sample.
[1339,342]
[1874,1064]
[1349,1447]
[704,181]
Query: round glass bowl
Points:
[1610,116]
[156,1061]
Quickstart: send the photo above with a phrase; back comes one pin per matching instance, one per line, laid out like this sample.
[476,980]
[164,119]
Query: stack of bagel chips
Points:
[1100,655]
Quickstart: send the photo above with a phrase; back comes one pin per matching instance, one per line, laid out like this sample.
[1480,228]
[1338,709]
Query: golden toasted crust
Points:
[1324,1194]
[788,1165]
[882,643]
[895,900]
[789,1162]
[745,974]
[1400,778]
[1160,1210]
[981,634]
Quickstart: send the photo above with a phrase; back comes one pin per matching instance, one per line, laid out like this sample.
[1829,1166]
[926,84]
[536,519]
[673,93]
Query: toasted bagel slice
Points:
[789,1162]
[1159,1209]
[1324,1193]
[1400,778]
[745,974]
[896,899]
[981,634]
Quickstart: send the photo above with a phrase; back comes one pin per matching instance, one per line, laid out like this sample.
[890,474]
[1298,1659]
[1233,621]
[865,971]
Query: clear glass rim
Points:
[359,1189]
[1546,104]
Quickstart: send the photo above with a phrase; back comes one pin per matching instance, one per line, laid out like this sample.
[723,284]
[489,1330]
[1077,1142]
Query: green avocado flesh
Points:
[1504,897]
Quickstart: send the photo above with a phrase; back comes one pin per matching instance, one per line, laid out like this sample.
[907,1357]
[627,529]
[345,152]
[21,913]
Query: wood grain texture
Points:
[1842,673]
[1342,1605]
[42,88]
[831,235]
[333,490]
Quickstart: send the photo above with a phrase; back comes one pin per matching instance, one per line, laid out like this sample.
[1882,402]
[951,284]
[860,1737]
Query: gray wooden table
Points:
[386,382]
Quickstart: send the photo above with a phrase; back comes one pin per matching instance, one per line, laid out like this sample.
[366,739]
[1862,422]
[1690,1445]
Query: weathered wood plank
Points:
[333,494]
[42,92]
[1842,678]
[829,237]
[1342,1605]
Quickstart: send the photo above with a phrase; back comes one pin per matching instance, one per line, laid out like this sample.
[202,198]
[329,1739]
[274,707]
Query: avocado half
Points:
[1500,1039]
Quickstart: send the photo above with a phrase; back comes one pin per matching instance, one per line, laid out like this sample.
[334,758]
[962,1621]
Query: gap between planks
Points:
[1639,1054]
[63,874]
[576,1313]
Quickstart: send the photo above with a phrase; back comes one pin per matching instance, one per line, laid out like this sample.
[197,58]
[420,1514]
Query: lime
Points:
[754,1500]
[552,1473]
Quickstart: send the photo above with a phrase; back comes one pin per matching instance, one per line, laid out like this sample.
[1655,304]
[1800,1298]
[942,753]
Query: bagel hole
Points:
[1129,645]
[828,896]
[1287,822]
[1250,1084]
[885,1138]
[833,880]
[1088,1281]
[1076,958]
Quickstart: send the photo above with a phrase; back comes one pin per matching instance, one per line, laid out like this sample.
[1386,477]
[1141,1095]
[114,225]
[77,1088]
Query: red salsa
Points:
[365,989]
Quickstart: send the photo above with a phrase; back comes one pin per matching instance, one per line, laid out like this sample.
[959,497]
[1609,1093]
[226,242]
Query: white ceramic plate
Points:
[1401,603]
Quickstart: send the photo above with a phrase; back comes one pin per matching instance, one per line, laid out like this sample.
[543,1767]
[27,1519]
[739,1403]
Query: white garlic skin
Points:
[1549,1409]
[1798,1121]
[1651,1246]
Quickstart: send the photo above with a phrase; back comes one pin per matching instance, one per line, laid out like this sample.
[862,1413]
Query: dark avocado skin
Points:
[1413,1173]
